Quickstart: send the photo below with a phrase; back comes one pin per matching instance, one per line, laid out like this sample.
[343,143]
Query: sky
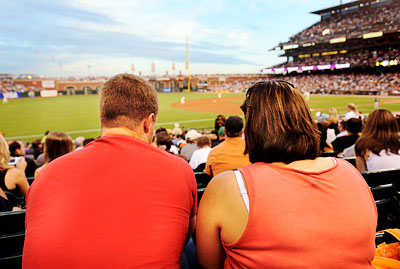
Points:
[105,37]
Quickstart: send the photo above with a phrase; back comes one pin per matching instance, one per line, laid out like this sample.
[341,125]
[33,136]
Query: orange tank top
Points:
[303,219]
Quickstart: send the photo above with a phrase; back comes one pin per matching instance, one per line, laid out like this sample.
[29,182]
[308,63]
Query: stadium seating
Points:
[384,185]
[12,235]
[351,160]
[202,180]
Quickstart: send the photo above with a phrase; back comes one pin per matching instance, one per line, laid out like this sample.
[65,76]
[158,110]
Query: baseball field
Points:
[27,119]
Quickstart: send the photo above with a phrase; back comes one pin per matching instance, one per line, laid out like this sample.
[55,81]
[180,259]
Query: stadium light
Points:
[372,35]
[337,40]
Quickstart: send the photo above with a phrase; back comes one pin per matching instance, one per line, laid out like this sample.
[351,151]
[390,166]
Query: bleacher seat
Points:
[202,180]
[329,154]
[351,160]
[385,185]
[12,236]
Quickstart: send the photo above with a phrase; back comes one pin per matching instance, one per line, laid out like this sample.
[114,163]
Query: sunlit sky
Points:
[105,37]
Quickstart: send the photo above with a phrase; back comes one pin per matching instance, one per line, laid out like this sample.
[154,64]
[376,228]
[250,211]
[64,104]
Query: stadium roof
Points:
[351,4]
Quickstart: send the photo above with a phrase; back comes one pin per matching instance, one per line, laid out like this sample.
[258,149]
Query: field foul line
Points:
[97,130]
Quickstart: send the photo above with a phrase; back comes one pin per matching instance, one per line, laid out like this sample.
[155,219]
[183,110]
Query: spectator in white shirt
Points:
[352,112]
[201,154]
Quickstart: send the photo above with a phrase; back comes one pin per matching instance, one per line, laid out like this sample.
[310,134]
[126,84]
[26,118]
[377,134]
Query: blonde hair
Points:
[4,154]
[353,107]
[333,115]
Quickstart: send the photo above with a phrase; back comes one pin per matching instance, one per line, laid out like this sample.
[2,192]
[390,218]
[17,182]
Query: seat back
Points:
[351,160]
[202,180]
[12,236]
[384,185]
[329,154]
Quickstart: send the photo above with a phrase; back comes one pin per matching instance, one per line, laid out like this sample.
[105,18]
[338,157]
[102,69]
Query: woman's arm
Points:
[210,252]
[16,178]
[222,217]
[360,164]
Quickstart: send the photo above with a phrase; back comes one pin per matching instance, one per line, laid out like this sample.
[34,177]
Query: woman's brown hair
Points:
[56,145]
[381,132]
[279,125]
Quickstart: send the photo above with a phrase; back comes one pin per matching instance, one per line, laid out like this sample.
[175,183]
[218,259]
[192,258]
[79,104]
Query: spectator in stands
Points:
[87,141]
[12,179]
[229,154]
[219,126]
[177,131]
[191,140]
[56,145]
[36,149]
[200,155]
[79,142]
[353,127]
[5,205]
[342,129]
[352,112]
[333,120]
[117,203]
[379,145]
[281,211]
[17,149]
[323,131]
[164,142]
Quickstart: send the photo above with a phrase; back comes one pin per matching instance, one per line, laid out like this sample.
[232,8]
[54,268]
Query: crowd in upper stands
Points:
[8,85]
[352,25]
[364,58]
[346,83]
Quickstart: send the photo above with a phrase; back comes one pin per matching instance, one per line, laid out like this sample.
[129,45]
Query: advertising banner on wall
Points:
[12,95]
[48,93]
[48,84]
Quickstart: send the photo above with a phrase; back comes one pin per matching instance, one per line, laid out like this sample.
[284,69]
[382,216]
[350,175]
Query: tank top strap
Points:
[242,189]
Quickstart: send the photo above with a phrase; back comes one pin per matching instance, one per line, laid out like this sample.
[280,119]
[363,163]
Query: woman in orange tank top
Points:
[289,208]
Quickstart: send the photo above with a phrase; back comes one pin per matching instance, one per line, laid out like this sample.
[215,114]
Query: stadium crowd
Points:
[352,25]
[346,83]
[364,58]
[8,85]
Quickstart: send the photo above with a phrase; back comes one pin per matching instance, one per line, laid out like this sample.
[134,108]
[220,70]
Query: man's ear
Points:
[148,121]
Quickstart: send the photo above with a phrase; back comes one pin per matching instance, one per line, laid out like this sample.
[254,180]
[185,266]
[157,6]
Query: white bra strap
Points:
[242,189]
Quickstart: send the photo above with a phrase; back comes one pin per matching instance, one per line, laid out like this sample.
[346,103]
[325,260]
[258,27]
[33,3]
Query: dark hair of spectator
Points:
[354,125]
[125,100]
[203,141]
[233,126]
[164,139]
[13,148]
[56,145]
[381,132]
[219,122]
[87,141]
[323,136]
[279,125]
[160,129]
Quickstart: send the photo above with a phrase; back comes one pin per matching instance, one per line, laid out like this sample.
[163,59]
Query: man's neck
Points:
[105,131]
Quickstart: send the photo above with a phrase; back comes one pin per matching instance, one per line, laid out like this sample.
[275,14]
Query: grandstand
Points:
[361,37]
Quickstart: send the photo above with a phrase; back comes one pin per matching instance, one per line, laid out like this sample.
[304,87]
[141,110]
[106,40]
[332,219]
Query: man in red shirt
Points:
[117,203]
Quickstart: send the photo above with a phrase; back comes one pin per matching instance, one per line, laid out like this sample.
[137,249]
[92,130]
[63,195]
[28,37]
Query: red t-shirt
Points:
[117,203]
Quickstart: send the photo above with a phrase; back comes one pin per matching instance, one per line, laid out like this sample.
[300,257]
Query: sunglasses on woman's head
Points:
[244,106]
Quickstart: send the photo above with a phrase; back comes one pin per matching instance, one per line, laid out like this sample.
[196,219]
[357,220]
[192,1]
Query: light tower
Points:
[187,61]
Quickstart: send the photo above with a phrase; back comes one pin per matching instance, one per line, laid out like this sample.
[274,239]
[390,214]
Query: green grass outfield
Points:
[28,119]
